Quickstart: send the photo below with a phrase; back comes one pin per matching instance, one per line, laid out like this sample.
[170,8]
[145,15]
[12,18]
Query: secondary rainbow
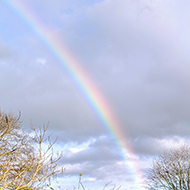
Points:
[83,82]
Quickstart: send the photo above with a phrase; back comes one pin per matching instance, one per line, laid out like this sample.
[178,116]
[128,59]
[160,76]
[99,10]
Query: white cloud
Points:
[41,61]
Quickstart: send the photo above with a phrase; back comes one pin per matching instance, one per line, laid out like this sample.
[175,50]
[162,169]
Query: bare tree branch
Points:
[24,163]
[170,170]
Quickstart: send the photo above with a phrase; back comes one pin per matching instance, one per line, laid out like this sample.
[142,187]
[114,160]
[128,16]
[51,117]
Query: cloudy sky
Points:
[136,54]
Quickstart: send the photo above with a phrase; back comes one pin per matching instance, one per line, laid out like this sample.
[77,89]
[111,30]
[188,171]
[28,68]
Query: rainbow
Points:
[83,82]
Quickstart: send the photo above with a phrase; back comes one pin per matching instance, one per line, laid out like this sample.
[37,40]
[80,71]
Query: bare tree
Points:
[24,163]
[80,184]
[170,170]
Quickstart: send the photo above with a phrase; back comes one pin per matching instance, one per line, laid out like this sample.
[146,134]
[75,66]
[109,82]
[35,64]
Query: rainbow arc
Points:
[83,82]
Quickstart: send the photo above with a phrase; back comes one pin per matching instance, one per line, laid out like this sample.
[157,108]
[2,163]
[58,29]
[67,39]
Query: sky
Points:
[135,54]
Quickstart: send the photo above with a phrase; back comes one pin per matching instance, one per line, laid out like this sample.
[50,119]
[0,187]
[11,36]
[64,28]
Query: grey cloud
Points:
[7,53]
[100,161]
[137,96]
[102,150]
